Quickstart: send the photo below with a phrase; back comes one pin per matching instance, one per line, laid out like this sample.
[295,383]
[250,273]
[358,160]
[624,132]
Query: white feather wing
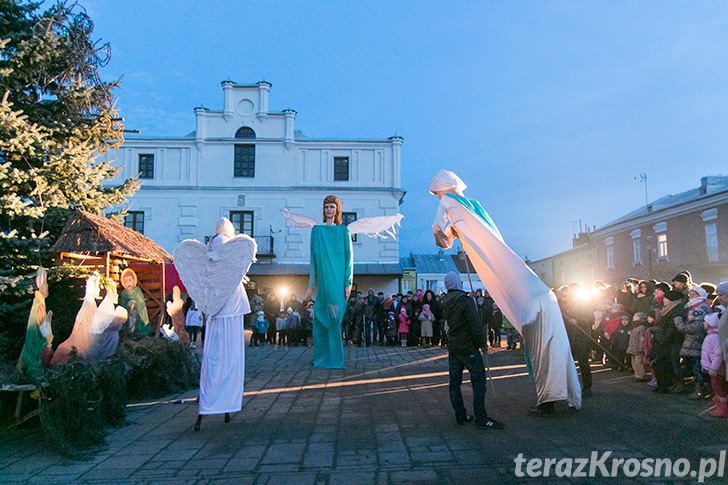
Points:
[211,275]
[380,226]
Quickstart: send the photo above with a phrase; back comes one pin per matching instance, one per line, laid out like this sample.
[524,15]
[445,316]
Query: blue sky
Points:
[547,110]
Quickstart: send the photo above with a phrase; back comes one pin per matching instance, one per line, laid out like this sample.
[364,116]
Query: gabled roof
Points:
[709,187]
[439,263]
[88,233]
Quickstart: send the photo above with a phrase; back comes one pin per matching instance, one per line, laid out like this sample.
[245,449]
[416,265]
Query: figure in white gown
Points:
[524,299]
[214,277]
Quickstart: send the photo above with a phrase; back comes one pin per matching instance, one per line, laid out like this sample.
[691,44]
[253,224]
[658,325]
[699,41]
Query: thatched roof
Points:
[91,234]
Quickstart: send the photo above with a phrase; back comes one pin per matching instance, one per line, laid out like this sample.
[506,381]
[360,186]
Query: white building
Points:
[246,162]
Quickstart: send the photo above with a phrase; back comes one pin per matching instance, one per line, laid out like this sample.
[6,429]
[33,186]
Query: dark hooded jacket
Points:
[465,330]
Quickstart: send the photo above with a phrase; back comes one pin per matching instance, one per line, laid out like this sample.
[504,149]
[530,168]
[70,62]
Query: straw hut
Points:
[108,247]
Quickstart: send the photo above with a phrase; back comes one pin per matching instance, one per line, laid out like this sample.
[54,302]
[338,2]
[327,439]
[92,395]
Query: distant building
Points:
[246,162]
[687,231]
[427,271]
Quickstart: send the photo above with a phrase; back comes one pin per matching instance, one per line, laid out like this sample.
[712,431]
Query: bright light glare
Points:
[282,291]
[583,294]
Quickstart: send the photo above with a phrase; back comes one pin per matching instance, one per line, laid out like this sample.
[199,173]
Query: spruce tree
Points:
[57,116]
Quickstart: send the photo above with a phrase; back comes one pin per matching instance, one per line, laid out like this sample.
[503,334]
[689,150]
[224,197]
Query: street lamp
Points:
[282,293]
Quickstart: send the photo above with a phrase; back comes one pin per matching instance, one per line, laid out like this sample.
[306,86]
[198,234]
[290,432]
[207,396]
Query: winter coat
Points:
[660,348]
[465,329]
[711,358]
[667,322]
[620,339]
[643,304]
[636,340]
[404,323]
[693,329]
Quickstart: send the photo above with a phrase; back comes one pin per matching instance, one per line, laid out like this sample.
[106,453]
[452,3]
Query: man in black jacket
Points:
[465,337]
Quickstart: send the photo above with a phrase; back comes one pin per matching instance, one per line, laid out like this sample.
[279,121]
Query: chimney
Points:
[441,255]
[263,93]
[227,89]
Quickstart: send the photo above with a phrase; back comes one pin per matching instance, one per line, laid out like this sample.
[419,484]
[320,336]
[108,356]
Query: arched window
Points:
[245,132]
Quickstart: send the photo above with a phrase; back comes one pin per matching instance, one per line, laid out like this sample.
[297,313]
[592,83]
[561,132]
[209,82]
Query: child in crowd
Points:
[281,328]
[620,344]
[649,370]
[193,323]
[404,323]
[392,327]
[293,326]
[261,328]
[713,362]
[427,320]
[637,345]
[511,334]
[694,331]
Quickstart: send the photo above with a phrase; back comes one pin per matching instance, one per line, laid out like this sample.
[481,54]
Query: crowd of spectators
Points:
[412,319]
[665,334]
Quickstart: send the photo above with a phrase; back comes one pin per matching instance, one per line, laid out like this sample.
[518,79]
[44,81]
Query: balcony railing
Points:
[265,246]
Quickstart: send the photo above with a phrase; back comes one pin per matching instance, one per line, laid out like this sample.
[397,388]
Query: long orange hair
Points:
[332,199]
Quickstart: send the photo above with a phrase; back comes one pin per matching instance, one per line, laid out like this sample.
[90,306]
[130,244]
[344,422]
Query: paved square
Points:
[386,418]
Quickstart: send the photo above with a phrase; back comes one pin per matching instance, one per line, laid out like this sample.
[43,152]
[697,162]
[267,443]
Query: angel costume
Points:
[524,299]
[38,336]
[80,334]
[332,269]
[214,277]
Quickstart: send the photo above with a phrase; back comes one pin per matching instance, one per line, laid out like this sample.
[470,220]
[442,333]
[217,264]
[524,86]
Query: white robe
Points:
[524,299]
[223,357]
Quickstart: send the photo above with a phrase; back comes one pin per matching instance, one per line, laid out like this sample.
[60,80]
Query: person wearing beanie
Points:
[713,363]
[681,283]
[672,310]
[693,330]
[465,338]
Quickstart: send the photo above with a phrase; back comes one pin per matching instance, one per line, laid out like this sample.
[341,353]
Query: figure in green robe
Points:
[38,335]
[132,293]
[332,267]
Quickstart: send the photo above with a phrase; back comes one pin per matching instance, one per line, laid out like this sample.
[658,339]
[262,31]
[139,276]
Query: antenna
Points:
[643,180]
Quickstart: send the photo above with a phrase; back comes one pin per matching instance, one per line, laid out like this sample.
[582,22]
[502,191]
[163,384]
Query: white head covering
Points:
[700,291]
[722,288]
[225,227]
[446,180]
[224,230]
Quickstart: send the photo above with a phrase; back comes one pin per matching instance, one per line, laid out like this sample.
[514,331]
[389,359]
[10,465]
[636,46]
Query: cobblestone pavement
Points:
[386,418]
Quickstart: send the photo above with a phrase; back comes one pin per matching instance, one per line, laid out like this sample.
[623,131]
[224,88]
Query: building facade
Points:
[246,162]
[687,231]
[427,272]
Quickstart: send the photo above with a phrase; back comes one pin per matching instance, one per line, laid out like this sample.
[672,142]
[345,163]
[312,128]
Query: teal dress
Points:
[332,268]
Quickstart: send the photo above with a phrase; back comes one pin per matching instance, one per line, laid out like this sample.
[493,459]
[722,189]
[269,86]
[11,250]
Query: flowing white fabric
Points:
[524,299]
[223,358]
[375,227]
